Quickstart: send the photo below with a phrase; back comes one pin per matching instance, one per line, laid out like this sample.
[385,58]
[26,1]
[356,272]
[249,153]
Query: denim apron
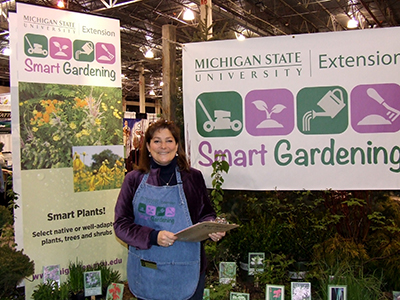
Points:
[161,273]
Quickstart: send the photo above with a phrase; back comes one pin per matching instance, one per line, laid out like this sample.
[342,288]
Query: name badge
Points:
[148,264]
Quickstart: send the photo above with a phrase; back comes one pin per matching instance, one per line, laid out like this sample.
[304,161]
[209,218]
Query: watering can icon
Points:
[222,120]
[36,48]
[331,103]
[86,49]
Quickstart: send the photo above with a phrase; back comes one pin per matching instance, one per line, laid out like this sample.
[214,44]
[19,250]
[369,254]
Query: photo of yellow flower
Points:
[56,117]
[98,168]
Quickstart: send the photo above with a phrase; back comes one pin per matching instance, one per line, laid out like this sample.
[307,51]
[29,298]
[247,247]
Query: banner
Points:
[67,144]
[313,111]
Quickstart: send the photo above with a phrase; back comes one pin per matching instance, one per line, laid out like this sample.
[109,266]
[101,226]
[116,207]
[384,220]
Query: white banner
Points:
[312,111]
[67,137]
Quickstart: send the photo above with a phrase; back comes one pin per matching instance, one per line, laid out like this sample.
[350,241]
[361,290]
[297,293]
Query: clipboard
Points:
[200,231]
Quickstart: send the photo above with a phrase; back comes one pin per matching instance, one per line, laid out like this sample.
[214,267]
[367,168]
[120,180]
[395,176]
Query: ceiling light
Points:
[7,51]
[352,23]
[60,4]
[152,93]
[188,15]
[239,36]
[149,54]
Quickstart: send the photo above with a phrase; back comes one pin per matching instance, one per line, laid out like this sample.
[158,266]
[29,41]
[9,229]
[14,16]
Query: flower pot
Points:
[78,296]
[244,272]
[299,272]
[81,296]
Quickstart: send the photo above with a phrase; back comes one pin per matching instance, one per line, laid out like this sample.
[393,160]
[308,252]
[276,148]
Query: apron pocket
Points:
[169,280]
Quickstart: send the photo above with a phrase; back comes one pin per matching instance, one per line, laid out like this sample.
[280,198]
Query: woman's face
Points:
[162,147]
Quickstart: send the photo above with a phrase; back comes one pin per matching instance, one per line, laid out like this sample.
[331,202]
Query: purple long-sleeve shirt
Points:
[138,236]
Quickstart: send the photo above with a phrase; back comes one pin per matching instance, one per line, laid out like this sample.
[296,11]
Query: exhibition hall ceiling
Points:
[142,21]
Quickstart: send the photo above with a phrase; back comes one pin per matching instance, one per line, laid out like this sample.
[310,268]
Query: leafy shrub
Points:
[14,266]
[360,285]
[5,216]
[51,291]
[76,275]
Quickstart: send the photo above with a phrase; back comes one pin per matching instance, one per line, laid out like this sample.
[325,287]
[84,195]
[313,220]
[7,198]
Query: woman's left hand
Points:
[216,236]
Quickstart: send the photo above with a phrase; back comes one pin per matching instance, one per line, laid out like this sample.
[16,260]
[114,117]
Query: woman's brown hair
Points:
[144,160]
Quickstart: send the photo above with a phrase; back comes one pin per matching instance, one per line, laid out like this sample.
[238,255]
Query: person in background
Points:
[3,162]
[127,139]
[3,200]
[133,159]
[163,196]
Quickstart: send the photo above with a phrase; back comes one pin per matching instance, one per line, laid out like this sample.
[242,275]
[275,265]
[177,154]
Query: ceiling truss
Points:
[141,24]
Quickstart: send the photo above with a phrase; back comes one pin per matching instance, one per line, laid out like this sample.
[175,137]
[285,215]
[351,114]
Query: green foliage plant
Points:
[278,222]
[220,291]
[358,230]
[5,217]
[367,227]
[276,268]
[360,284]
[108,275]
[51,291]
[217,194]
[6,227]
[257,235]
[14,266]
[75,277]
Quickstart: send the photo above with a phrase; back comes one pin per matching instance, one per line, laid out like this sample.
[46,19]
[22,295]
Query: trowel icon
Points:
[331,103]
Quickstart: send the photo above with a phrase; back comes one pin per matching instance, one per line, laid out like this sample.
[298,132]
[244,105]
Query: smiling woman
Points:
[163,147]
[168,196]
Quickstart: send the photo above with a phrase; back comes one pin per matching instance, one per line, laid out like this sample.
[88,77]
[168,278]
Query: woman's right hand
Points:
[166,238]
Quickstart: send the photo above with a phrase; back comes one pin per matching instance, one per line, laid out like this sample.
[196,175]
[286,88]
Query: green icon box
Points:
[142,208]
[160,211]
[322,110]
[219,114]
[36,45]
[83,50]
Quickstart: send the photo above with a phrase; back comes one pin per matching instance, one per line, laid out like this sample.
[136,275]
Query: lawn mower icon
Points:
[36,48]
[222,120]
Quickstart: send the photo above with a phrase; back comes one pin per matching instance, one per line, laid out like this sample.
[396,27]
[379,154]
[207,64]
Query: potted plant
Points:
[51,291]
[14,264]
[75,280]
[108,275]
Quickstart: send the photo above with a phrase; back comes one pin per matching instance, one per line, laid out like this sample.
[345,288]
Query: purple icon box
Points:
[60,48]
[105,53]
[375,108]
[269,112]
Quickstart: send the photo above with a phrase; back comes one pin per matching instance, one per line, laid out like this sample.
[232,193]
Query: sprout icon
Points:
[61,49]
[269,122]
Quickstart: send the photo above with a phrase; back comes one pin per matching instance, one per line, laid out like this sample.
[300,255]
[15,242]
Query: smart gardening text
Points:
[284,154]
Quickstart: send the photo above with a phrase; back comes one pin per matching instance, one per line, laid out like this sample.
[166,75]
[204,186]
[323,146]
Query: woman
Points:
[163,196]
[127,138]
